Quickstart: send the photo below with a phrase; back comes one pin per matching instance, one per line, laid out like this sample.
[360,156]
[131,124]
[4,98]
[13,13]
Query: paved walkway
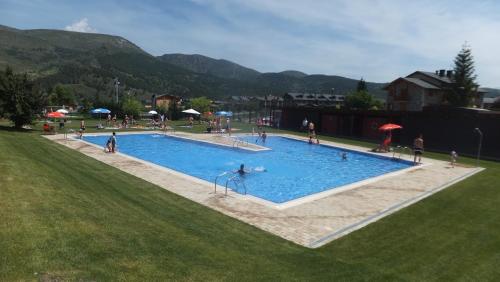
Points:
[311,223]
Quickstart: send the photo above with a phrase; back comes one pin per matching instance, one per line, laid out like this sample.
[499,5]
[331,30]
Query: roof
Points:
[416,81]
[167,96]
[315,96]
[420,83]
[433,75]
[489,100]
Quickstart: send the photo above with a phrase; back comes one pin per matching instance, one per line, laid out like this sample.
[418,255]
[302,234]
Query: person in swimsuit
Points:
[242,171]
[311,128]
[418,149]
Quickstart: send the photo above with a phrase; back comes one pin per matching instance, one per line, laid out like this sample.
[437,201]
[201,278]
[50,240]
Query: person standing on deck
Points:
[418,149]
[304,124]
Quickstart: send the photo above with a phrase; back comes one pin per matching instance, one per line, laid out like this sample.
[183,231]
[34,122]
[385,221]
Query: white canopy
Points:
[62,111]
[191,111]
[153,112]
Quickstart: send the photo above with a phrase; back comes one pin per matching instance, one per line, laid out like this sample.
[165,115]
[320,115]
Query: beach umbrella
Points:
[389,126]
[55,115]
[191,111]
[63,111]
[100,111]
[153,112]
[224,114]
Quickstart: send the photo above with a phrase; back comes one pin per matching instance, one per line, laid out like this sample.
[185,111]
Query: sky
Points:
[377,40]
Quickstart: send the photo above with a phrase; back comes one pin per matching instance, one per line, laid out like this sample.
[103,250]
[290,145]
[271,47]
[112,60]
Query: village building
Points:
[421,89]
[164,100]
[291,99]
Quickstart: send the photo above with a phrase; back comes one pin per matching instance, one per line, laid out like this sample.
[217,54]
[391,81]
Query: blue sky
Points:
[377,40]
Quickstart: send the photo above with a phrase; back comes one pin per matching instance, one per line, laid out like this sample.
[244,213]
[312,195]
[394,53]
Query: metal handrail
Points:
[216,178]
[237,142]
[232,179]
[399,149]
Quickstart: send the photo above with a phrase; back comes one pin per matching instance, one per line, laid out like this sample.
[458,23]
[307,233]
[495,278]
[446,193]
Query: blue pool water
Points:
[293,169]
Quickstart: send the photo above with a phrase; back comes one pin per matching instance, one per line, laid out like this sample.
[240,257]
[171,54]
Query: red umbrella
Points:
[55,115]
[389,126]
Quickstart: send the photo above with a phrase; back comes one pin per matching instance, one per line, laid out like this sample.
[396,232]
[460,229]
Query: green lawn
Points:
[66,216]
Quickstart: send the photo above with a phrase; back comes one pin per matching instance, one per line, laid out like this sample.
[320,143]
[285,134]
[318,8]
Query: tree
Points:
[465,87]
[163,108]
[201,104]
[61,95]
[174,111]
[21,100]
[361,85]
[362,100]
[132,107]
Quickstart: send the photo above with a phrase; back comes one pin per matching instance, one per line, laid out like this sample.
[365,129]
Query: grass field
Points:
[66,216]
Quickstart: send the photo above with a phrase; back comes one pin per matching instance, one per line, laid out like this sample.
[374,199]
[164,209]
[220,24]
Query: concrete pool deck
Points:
[311,222]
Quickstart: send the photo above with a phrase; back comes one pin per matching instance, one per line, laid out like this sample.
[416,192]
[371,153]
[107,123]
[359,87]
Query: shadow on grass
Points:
[13,129]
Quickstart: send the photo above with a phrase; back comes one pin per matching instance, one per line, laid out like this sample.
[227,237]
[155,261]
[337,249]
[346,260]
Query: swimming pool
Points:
[292,169]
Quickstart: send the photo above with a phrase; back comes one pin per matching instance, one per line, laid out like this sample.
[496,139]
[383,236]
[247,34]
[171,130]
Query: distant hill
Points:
[206,65]
[294,73]
[274,83]
[88,63]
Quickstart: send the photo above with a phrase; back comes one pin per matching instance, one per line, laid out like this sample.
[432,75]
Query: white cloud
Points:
[379,40]
[81,26]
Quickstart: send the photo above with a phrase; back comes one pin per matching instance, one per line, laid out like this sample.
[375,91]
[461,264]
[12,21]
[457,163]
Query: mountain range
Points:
[88,63]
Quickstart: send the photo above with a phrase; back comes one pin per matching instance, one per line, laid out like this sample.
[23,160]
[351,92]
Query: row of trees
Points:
[21,100]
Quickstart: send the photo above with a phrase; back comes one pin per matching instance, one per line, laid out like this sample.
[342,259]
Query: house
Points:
[488,103]
[164,100]
[312,99]
[260,101]
[421,89]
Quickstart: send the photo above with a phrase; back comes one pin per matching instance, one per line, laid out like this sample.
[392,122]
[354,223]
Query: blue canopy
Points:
[224,114]
[100,111]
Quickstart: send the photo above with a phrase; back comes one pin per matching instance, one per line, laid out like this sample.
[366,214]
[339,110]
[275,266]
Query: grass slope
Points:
[66,216]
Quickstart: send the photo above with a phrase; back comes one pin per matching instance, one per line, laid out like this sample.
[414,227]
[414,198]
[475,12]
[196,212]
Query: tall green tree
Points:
[201,104]
[362,100]
[361,85]
[132,107]
[174,112]
[465,86]
[21,100]
[61,95]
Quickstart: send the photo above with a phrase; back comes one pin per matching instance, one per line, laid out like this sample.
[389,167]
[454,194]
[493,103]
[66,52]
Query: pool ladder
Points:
[237,142]
[400,151]
[236,179]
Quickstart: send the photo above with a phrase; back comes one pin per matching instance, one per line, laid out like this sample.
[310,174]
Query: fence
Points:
[444,129]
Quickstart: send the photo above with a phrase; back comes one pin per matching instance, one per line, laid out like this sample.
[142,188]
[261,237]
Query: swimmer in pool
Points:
[344,156]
